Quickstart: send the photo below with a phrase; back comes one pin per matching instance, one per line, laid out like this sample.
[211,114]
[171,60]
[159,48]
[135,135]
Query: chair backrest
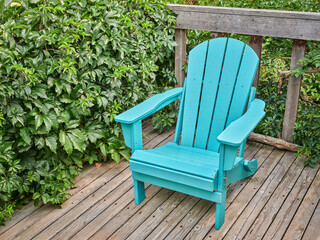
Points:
[219,79]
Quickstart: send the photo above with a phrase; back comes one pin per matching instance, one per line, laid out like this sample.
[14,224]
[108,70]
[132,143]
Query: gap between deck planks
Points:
[280,200]
[88,174]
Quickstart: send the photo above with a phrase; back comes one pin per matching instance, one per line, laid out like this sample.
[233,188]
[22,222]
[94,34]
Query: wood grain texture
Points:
[190,220]
[180,55]
[289,208]
[77,204]
[116,213]
[157,216]
[139,217]
[256,45]
[293,91]
[172,220]
[270,197]
[303,215]
[276,142]
[202,228]
[312,231]
[258,22]
[242,201]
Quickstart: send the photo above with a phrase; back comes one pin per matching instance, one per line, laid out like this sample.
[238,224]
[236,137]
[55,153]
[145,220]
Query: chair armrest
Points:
[240,129]
[149,106]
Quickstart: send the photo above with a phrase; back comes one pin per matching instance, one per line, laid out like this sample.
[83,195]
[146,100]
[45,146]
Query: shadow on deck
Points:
[281,201]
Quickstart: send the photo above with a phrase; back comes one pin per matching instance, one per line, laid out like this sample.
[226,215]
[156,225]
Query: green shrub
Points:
[67,68]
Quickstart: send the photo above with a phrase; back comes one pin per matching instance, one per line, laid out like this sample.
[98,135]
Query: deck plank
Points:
[296,174]
[30,208]
[288,209]
[119,183]
[32,225]
[206,224]
[108,207]
[259,214]
[172,220]
[163,229]
[136,215]
[312,231]
[244,197]
[301,219]
[189,221]
[115,214]
[280,201]
[142,231]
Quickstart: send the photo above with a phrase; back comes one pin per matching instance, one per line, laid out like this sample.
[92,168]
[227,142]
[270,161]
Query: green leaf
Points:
[72,124]
[66,142]
[62,137]
[51,142]
[64,117]
[77,142]
[2,169]
[68,146]
[103,149]
[42,172]
[38,121]
[126,153]
[25,134]
[25,3]
[78,134]
[116,157]
[45,198]
[94,135]
[39,141]
[36,195]
[83,3]
[93,158]
[47,122]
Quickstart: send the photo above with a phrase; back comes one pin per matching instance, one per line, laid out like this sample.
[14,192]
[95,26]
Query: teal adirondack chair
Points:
[211,127]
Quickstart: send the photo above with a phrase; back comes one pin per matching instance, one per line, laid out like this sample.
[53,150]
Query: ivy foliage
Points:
[67,68]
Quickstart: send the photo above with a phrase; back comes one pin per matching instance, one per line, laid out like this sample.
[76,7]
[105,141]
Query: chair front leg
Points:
[139,192]
[221,207]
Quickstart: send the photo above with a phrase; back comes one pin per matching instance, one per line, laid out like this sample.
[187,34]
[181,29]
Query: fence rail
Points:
[299,26]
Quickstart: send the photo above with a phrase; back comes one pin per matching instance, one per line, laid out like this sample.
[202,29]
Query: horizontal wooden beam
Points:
[276,142]
[258,22]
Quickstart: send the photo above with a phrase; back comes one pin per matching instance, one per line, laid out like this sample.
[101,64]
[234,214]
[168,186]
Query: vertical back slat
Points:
[245,78]
[228,78]
[215,56]
[197,60]
[177,133]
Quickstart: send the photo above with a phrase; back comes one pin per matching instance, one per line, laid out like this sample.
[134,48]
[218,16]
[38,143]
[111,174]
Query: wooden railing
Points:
[299,26]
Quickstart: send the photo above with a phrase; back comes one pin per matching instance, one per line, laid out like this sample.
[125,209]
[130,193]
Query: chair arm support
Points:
[240,129]
[149,106]
[131,119]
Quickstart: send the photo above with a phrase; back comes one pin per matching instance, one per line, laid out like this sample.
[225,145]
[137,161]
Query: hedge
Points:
[66,69]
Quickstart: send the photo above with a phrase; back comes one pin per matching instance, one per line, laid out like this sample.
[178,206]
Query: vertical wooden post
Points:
[180,55]
[292,100]
[256,45]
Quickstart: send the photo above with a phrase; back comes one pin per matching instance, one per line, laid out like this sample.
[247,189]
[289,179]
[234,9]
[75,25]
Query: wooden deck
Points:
[281,201]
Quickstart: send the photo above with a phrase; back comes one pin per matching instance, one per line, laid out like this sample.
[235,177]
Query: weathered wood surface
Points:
[180,55]
[256,45]
[293,92]
[276,142]
[280,200]
[258,22]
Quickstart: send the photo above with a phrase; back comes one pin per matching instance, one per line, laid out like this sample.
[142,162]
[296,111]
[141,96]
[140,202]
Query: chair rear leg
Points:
[139,194]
